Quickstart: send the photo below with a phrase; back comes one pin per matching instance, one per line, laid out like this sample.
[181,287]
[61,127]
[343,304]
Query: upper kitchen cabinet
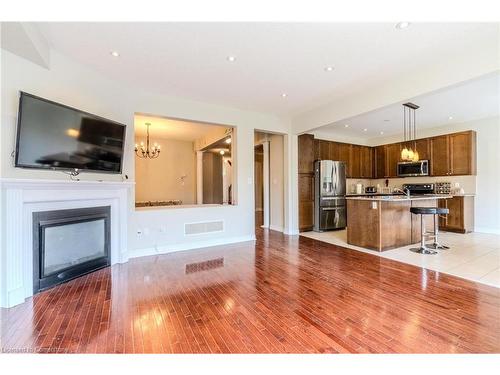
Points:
[380,163]
[462,153]
[453,154]
[306,153]
[361,161]
[342,152]
[423,148]
[393,156]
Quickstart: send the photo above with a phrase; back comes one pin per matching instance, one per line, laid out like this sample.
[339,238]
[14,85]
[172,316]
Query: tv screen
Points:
[53,136]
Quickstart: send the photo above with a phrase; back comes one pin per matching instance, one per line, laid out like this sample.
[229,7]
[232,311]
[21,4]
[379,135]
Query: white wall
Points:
[80,87]
[160,178]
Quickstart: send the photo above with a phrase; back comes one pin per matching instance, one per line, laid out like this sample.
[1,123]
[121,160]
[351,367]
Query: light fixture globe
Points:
[404,154]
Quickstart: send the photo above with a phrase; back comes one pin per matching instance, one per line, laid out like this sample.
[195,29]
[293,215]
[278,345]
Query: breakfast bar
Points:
[385,222]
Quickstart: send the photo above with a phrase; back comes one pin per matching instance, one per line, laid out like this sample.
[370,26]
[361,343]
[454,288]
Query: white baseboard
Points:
[276,228]
[487,230]
[165,249]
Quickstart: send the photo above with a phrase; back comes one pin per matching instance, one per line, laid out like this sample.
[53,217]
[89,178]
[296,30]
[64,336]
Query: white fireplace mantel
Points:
[22,197]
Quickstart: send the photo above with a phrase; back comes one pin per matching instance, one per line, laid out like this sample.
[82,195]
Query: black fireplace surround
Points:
[47,227]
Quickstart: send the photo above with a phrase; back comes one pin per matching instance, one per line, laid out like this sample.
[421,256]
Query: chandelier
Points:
[410,133]
[145,151]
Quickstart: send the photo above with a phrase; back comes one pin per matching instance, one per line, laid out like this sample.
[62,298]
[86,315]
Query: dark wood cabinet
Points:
[461,216]
[380,163]
[462,153]
[366,164]
[453,154]
[309,149]
[355,161]
[423,148]
[393,156]
[440,156]
[306,154]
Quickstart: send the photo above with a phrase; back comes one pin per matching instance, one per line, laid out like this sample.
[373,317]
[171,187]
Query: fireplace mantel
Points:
[22,197]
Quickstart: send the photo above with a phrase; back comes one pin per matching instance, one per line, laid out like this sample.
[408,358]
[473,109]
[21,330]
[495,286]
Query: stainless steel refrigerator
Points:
[329,195]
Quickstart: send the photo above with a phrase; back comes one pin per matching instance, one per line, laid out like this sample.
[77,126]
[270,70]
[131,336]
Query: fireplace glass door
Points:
[71,244]
[68,244]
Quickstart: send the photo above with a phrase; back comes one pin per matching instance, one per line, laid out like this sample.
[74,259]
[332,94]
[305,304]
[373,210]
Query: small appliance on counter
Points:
[359,188]
[370,190]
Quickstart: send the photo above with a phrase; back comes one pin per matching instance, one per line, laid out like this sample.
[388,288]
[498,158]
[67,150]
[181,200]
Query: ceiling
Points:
[471,100]
[190,59]
[166,128]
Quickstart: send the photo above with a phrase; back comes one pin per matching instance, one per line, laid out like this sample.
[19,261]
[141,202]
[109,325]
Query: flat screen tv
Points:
[54,136]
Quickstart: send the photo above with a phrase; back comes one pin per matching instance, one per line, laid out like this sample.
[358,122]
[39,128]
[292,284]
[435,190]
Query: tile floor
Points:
[472,256]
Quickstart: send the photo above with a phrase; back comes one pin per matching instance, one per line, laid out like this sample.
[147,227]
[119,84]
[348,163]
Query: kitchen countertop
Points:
[399,197]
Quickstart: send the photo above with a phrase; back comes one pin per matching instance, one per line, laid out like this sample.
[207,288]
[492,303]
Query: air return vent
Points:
[205,227]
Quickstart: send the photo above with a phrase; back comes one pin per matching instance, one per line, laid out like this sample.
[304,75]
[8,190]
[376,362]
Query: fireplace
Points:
[69,243]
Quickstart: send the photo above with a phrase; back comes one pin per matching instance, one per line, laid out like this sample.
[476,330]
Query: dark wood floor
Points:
[282,294]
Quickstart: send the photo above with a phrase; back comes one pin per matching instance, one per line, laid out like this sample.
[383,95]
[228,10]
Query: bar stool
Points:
[424,249]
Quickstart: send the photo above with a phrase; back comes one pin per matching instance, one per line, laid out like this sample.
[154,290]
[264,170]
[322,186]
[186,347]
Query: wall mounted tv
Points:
[54,136]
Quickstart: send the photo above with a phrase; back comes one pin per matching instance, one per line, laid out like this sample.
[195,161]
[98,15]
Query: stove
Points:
[419,188]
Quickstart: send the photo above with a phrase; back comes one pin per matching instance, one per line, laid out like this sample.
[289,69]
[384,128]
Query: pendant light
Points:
[409,153]
[145,151]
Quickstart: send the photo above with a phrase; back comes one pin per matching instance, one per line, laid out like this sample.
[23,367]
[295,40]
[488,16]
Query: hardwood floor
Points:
[281,294]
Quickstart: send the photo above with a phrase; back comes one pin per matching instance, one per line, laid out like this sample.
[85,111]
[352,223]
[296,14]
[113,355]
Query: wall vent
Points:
[205,227]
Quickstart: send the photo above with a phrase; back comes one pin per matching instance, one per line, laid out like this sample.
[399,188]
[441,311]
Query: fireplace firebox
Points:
[68,244]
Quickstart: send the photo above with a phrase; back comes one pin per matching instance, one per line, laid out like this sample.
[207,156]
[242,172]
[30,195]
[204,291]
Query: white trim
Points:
[23,197]
[266,184]
[157,250]
[276,228]
[487,230]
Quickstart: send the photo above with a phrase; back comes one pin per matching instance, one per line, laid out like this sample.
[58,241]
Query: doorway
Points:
[269,180]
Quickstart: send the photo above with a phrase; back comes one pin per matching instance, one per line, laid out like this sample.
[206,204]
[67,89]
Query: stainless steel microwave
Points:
[413,168]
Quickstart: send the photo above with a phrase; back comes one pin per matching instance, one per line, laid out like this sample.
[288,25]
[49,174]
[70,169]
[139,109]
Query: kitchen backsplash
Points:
[468,183]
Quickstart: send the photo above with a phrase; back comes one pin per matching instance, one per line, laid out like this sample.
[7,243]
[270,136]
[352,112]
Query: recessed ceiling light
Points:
[402,25]
[365,129]
[381,132]
[284,95]
[230,58]
[328,68]
[346,126]
[115,53]
[450,118]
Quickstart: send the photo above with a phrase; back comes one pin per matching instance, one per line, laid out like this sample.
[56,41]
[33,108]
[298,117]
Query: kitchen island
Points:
[385,222]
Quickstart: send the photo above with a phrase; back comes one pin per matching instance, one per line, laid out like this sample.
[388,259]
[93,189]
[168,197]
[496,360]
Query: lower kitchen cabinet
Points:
[461,216]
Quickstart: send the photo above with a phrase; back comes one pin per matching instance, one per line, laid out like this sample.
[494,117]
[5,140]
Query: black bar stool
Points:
[424,249]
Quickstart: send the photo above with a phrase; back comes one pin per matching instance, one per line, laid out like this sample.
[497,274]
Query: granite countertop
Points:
[399,197]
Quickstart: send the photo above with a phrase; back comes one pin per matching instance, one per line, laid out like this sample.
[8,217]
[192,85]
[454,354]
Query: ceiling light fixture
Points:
[284,95]
[328,68]
[381,133]
[115,53]
[365,130]
[230,58]
[221,152]
[228,140]
[145,151]
[450,118]
[410,133]
[346,126]
[402,25]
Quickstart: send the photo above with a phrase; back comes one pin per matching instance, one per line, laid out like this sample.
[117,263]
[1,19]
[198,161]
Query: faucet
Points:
[405,191]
